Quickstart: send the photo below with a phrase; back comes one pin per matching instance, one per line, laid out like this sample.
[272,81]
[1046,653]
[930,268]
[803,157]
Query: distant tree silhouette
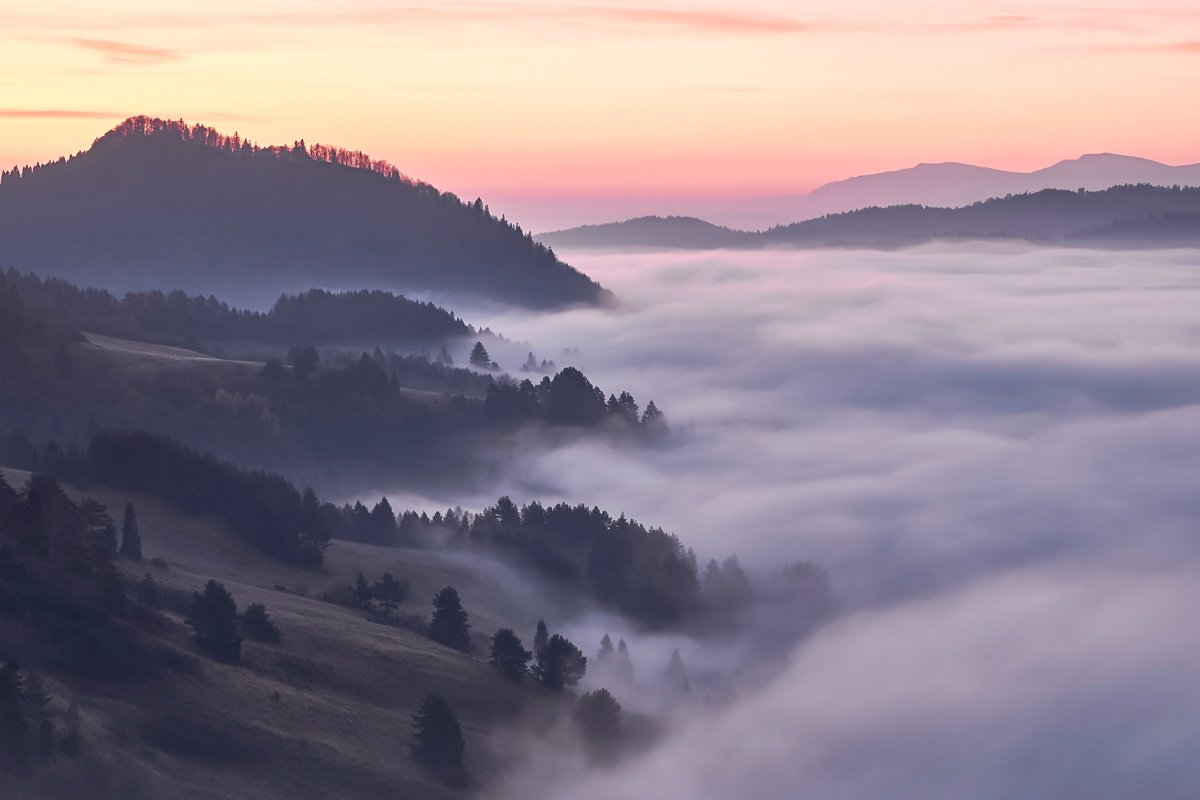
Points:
[509,657]
[389,593]
[541,637]
[304,360]
[675,677]
[362,596]
[439,740]
[653,420]
[214,622]
[606,650]
[449,625]
[624,663]
[131,539]
[560,663]
[257,624]
[480,359]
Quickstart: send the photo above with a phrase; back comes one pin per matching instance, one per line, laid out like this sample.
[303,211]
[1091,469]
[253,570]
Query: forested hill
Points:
[1122,216]
[159,204]
[314,317]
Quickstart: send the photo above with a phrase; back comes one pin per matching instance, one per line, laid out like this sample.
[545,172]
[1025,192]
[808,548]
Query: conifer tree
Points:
[560,663]
[214,622]
[439,741]
[509,657]
[257,624]
[540,637]
[606,650]
[624,662]
[480,359]
[131,539]
[389,592]
[449,625]
[362,597]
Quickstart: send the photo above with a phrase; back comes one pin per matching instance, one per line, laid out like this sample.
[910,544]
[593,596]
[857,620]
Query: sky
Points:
[602,105]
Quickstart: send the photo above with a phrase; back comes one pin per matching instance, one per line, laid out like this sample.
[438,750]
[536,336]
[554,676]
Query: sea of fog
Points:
[993,450]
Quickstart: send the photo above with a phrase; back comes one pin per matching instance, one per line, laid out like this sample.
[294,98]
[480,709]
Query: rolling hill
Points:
[158,204]
[326,713]
[953,184]
[1121,216]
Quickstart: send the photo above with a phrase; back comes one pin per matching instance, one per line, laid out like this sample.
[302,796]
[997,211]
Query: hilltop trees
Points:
[439,740]
[131,539]
[214,622]
[449,625]
[560,663]
[509,657]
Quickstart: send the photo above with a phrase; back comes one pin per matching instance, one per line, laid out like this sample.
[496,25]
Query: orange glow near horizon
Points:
[595,99]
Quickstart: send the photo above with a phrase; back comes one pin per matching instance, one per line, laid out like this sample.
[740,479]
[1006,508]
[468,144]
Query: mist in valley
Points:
[990,449]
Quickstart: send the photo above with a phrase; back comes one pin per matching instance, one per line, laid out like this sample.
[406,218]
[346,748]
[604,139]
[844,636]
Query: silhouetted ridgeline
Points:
[1141,215]
[156,203]
[316,316]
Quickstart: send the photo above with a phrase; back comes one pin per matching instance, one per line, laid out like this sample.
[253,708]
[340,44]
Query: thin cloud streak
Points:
[58,113]
[125,53]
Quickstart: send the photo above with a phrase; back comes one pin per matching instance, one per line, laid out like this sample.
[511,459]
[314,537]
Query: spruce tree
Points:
[362,597]
[480,359]
[214,622]
[509,657]
[449,624]
[540,637]
[606,650]
[131,539]
[257,624]
[560,663]
[439,740]
[390,593]
[624,662]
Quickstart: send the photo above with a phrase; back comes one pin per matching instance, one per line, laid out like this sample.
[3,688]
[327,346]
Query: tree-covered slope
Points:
[160,204]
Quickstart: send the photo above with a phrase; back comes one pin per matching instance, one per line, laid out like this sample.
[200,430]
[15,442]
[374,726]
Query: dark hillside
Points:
[159,204]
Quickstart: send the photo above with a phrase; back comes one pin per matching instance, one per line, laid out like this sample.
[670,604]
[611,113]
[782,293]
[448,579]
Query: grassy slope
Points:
[347,686]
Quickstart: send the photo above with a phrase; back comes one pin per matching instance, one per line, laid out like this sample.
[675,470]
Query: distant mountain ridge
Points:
[1130,215]
[160,204]
[951,184]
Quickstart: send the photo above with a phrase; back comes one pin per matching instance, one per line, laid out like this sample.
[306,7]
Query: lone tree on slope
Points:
[214,622]
[449,624]
[439,740]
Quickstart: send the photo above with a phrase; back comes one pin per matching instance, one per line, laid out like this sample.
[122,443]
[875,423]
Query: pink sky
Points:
[594,107]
